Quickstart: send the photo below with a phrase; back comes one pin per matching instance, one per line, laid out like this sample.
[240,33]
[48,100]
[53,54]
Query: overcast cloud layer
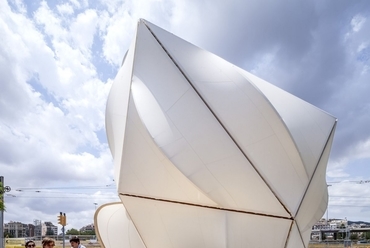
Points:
[58,60]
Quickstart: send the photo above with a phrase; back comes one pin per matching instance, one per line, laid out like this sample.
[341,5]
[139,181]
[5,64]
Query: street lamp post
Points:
[327,209]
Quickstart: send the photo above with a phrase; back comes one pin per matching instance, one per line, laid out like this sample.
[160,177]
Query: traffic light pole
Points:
[64,237]
[62,220]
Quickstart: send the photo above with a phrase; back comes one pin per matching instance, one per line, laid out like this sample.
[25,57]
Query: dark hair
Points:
[29,241]
[75,239]
[47,241]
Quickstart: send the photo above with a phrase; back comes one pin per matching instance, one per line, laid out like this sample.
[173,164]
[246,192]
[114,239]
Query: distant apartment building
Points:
[31,230]
[87,228]
[51,229]
[16,229]
[335,229]
[40,228]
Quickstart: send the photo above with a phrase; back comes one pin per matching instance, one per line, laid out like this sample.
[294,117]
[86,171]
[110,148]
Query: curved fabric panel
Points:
[146,171]
[116,111]
[309,126]
[314,204]
[294,146]
[218,166]
[248,117]
[209,155]
[165,224]
[115,228]
[295,239]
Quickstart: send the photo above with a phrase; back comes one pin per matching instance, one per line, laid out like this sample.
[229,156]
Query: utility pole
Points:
[327,209]
[3,189]
[2,243]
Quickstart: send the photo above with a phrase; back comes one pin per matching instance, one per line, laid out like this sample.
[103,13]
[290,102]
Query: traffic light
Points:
[62,219]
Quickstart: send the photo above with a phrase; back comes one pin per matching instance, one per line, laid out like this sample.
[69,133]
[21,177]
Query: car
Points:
[362,242]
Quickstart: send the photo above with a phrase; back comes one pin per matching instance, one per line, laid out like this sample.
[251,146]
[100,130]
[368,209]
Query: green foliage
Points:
[8,235]
[73,231]
[88,232]
[2,205]
[353,236]
[341,236]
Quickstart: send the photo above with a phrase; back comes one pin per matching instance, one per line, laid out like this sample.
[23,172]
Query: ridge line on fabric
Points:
[205,206]
[218,120]
[288,234]
[314,172]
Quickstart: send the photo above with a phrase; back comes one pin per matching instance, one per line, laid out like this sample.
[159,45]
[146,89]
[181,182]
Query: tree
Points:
[88,232]
[2,205]
[72,231]
[8,235]
[353,236]
[341,235]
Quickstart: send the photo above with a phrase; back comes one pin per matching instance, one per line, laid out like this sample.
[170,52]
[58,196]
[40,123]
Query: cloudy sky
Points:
[58,59]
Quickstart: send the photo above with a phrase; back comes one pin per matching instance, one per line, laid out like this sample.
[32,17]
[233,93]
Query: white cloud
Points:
[119,22]
[51,133]
[116,36]
[51,24]
[349,200]
[357,22]
[79,4]
[82,30]
[19,6]
[336,169]
[362,149]
[65,9]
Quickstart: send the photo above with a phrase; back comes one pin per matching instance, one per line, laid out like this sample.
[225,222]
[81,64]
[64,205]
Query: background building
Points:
[15,229]
[88,228]
[51,229]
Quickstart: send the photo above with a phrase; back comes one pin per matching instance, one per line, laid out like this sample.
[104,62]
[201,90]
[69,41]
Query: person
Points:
[30,244]
[48,243]
[75,242]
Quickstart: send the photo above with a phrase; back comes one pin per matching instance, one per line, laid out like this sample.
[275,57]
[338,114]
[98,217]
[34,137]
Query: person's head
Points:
[75,241]
[30,244]
[48,243]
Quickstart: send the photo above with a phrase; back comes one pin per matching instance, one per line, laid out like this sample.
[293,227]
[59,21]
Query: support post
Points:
[2,243]
[64,237]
